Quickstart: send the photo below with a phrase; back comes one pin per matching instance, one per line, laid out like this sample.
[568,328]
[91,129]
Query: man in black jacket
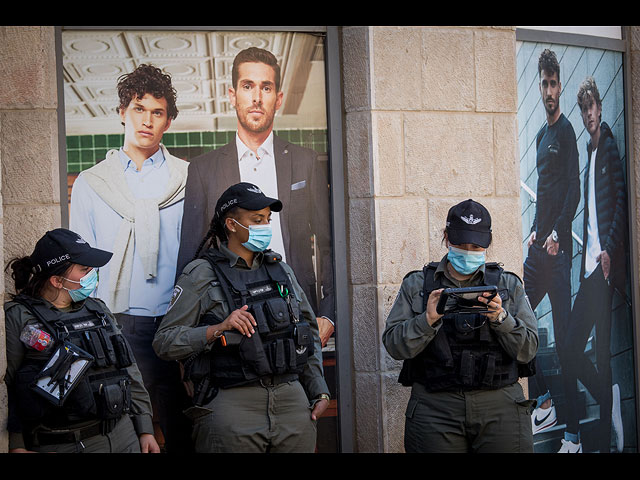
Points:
[603,267]
[547,268]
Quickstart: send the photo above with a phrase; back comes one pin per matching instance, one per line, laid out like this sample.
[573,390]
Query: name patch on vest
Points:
[260,290]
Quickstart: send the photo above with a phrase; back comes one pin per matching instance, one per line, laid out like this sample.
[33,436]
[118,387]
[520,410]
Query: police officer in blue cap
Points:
[463,364]
[246,336]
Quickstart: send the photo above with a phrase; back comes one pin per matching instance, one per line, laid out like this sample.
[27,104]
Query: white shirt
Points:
[593,247]
[261,171]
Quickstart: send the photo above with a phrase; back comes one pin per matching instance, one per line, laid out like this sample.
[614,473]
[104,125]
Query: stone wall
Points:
[430,121]
[28,154]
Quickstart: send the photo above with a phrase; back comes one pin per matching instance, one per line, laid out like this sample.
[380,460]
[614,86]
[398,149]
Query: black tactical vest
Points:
[465,353]
[283,341]
[103,392]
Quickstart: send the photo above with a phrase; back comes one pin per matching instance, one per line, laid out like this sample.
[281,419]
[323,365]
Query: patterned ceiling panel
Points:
[200,66]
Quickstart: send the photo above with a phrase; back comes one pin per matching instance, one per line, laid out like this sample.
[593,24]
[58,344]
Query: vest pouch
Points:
[252,353]
[113,397]
[260,318]
[440,350]
[93,345]
[121,351]
[277,313]
[303,337]
[279,352]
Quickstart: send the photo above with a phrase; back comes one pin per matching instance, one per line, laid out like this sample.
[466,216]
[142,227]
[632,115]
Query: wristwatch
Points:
[323,396]
[501,316]
[554,236]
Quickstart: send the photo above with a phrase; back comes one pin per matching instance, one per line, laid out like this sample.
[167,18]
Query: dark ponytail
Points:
[29,282]
[216,233]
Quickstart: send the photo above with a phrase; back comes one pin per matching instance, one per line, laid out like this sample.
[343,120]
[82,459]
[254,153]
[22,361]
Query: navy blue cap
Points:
[469,222]
[62,245]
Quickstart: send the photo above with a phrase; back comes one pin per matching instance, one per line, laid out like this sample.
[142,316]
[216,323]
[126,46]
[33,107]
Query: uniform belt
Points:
[272,380]
[54,437]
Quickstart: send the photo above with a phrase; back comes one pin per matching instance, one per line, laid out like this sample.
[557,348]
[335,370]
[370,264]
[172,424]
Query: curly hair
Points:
[147,79]
[588,93]
[255,55]
[549,63]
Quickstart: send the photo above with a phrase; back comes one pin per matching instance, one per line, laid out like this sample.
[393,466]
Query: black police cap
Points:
[62,245]
[469,222]
[245,195]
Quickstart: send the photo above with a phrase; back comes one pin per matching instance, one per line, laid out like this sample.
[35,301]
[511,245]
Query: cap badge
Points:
[254,190]
[470,220]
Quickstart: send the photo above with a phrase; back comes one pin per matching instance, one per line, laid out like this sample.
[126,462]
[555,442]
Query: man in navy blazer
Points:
[297,176]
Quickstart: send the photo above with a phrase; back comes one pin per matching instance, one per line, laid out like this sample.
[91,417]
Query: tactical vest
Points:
[283,341]
[103,391]
[465,353]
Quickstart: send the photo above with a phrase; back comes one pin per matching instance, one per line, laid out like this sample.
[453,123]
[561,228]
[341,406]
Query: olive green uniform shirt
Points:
[407,332]
[18,316]
[198,291]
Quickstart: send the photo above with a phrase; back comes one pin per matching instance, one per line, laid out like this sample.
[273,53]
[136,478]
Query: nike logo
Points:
[539,422]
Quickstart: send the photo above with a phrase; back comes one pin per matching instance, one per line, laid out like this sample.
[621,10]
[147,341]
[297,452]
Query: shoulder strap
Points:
[429,284]
[214,258]
[492,273]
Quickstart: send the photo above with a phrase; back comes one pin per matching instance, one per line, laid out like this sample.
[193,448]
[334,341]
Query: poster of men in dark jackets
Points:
[576,247]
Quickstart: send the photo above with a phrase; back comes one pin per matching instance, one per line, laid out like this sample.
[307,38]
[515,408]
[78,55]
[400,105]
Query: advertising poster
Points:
[200,64]
[575,241]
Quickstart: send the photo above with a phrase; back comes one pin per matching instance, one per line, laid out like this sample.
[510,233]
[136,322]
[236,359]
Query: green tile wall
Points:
[84,151]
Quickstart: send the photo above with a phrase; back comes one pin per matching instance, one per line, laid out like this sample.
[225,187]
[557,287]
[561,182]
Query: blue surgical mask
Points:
[465,261]
[88,284]
[259,237]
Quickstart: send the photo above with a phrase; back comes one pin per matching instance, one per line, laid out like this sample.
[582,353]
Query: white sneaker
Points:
[543,418]
[570,447]
[616,418]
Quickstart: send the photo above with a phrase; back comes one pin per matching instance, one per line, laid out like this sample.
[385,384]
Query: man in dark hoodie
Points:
[603,269]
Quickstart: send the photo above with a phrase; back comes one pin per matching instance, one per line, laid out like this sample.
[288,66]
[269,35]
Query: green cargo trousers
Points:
[257,419]
[482,421]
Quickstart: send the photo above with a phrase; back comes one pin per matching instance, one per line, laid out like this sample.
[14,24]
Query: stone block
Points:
[29,152]
[356,68]
[448,81]
[507,165]
[27,60]
[23,225]
[361,240]
[401,237]
[495,64]
[359,169]
[388,154]
[396,73]
[365,331]
[395,398]
[449,154]
[368,418]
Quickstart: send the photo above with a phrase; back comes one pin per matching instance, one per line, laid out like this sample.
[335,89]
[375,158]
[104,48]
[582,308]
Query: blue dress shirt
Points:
[98,224]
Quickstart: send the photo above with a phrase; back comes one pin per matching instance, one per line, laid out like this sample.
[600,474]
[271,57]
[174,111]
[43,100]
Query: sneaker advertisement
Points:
[575,224]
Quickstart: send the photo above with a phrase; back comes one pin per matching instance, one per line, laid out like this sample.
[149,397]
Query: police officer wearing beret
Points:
[246,336]
[464,367]
[105,408]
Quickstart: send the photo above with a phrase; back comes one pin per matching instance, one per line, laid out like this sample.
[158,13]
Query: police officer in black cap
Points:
[246,336]
[73,383]
[463,364]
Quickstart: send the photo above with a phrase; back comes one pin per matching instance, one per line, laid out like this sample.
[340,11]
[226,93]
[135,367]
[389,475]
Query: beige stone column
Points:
[430,121]
[28,155]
